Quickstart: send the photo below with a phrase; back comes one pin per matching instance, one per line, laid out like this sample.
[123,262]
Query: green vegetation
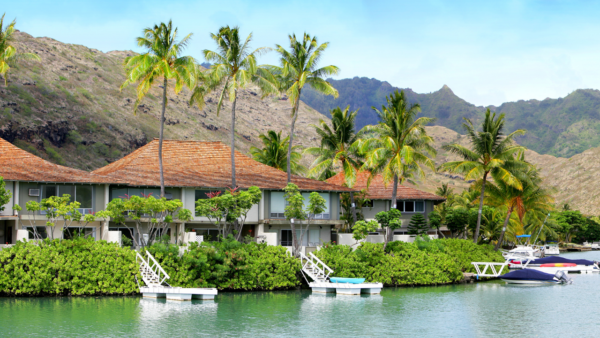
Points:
[68,267]
[438,262]
[418,225]
[229,265]
[8,52]
[54,155]
[5,195]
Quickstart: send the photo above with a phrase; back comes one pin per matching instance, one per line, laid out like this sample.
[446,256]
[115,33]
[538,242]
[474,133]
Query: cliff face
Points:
[68,109]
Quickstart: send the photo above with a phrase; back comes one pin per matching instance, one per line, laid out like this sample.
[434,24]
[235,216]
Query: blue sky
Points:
[488,52]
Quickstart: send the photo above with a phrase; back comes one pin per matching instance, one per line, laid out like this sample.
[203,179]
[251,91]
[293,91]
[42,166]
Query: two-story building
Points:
[409,201]
[191,170]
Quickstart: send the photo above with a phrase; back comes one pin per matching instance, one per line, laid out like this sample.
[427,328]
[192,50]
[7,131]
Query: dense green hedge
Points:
[229,265]
[67,267]
[420,263]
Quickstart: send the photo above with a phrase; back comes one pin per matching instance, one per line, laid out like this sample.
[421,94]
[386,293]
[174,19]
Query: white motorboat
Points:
[551,249]
[595,246]
[523,252]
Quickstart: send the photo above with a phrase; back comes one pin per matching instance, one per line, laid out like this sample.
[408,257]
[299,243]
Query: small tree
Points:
[362,229]
[457,220]
[229,210]
[435,221]
[59,211]
[360,200]
[294,211]
[418,225]
[390,221]
[5,195]
[316,205]
[156,214]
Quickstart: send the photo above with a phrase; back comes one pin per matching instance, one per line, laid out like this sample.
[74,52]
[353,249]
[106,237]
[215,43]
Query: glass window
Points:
[304,238]
[135,192]
[67,190]
[286,238]
[277,202]
[400,205]
[152,192]
[118,193]
[38,233]
[409,206]
[49,191]
[201,194]
[314,237]
[306,196]
[83,195]
[419,206]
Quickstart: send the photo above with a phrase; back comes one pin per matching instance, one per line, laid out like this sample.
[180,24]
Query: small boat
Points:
[551,249]
[535,277]
[555,263]
[347,280]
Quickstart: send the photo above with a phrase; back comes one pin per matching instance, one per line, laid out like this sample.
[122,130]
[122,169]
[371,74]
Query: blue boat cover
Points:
[521,236]
[557,259]
[528,274]
[346,280]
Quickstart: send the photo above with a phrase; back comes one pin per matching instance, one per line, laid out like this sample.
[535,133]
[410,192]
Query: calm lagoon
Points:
[489,309]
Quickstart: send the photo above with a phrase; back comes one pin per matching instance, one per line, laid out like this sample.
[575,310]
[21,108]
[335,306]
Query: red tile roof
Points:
[203,165]
[379,191]
[18,165]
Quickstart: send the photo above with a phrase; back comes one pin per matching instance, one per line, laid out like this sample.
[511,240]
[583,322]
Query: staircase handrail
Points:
[159,268]
[323,264]
[316,274]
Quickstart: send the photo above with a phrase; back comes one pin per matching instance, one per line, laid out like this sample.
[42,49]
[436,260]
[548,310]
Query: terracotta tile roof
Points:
[203,165]
[378,190]
[18,165]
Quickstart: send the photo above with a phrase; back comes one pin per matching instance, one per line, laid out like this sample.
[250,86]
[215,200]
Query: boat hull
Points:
[529,282]
[347,280]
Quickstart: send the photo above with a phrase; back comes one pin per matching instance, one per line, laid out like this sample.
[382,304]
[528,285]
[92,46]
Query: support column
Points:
[16,198]
[104,230]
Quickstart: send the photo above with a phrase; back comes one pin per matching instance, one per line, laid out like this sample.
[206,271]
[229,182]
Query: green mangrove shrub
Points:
[228,265]
[80,266]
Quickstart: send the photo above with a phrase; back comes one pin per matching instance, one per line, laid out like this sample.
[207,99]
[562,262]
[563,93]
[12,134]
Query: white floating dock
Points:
[176,293]
[346,288]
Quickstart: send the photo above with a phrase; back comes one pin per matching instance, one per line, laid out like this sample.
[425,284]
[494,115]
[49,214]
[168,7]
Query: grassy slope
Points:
[77,88]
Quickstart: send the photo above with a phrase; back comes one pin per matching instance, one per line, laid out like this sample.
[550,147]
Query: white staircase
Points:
[314,268]
[152,273]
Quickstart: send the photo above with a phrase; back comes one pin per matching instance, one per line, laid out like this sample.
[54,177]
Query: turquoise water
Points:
[489,309]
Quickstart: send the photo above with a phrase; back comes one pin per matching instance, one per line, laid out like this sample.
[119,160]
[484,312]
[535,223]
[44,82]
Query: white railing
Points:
[151,266]
[314,267]
[494,267]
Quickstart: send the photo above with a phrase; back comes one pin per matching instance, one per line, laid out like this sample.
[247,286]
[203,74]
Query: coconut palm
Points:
[492,154]
[530,198]
[162,60]
[399,143]
[234,68]
[444,191]
[337,150]
[274,153]
[8,52]
[299,68]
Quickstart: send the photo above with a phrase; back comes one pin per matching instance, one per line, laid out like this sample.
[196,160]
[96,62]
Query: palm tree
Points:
[234,68]
[444,191]
[532,197]
[162,60]
[274,153]
[492,155]
[8,52]
[399,143]
[337,150]
[299,68]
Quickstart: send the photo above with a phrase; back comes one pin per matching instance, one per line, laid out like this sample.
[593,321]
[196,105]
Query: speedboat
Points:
[551,250]
[595,246]
[554,263]
[523,252]
[535,277]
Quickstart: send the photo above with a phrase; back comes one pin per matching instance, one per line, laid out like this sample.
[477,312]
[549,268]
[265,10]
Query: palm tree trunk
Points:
[394,193]
[160,139]
[352,207]
[233,183]
[289,154]
[510,210]
[476,235]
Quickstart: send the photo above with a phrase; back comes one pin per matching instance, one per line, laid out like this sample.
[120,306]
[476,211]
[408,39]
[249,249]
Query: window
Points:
[209,235]
[410,206]
[314,237]
[368,204]
[74,232]
[278,204]
[201,195]
[83,194]
[286,238]
[37,233]
[120,192]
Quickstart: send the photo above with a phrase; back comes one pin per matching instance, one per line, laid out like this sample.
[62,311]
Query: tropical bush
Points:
[425,262]
[68,267]
[228,265]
